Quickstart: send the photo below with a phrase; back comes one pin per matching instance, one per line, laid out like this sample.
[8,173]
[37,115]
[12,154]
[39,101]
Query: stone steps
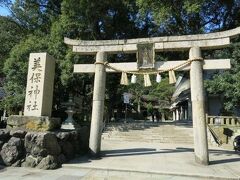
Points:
[150,133]
[150,139]
[167,141]
[146,135]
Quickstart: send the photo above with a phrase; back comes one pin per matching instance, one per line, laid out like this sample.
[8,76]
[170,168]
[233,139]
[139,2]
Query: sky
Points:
[4,11]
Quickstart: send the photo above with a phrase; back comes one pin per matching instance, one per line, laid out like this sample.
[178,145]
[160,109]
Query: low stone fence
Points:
[44,150]
[223,120]
[223,128]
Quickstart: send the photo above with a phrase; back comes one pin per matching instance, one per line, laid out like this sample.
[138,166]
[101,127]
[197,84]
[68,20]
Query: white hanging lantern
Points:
[133,79]
[172,77]
[124,79]
[158,78]
[147,81]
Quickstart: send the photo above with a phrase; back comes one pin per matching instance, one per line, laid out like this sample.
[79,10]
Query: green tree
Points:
[227,83]
[11,34]
[15,69]
[53,20]
[35,14]
[47,22]
[174,17]
[162,90]
[137,90]
[191,16]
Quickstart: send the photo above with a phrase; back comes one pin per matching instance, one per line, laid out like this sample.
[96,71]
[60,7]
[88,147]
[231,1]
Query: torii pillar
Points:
[98,104]
[198,107]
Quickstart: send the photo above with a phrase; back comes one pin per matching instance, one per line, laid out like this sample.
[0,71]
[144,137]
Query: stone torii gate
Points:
[192,43]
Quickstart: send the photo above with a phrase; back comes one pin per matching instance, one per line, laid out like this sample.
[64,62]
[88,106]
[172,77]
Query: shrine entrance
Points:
[145,49]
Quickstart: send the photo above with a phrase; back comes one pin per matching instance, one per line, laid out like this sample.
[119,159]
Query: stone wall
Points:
[225,133]
[44,150]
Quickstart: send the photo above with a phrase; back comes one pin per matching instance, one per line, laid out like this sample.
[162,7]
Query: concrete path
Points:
[161,159]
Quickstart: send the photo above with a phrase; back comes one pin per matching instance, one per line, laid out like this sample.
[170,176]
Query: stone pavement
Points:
[162,159]
[141,161]
[12,173]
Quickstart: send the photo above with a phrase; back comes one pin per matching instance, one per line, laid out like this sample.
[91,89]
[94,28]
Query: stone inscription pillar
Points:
[198,108]
[98,104]
[40,82]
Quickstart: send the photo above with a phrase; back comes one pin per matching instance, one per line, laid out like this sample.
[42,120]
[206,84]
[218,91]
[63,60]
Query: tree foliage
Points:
[41,25]
[11,34]
[15,69]
[227,83]
[191,16]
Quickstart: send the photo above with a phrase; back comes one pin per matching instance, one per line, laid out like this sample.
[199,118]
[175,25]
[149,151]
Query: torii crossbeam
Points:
[210,64]
[192,43]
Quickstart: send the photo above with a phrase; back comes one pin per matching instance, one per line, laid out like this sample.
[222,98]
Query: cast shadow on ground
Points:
[223,161]
[2,168]
[217,152]
[141,151]
[151,151]
[125,152]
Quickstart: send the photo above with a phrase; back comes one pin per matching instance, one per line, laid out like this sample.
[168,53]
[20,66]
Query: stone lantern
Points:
[71,110]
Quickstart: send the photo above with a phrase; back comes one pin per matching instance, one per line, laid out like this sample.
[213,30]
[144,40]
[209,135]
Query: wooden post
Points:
[185,114]
[177,115]
[198,108]
[173,112]
[189,110]
[98,104]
